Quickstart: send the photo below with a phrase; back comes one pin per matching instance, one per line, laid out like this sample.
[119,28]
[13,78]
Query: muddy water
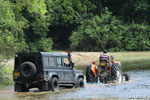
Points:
[138,88]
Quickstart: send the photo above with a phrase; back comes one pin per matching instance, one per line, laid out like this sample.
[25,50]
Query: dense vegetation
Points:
[83,25]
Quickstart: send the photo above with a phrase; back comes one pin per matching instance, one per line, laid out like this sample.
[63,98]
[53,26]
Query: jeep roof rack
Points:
[40,53]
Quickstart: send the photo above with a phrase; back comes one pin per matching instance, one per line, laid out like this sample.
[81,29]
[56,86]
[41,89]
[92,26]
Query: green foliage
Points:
[36,33]
[6,75]
[136,37]
[32,6]
[105,31]
[128,10]
[10,30]
[65,16]
[136,10]
[44,44]
[31,25]
[32,12]
[67,12]
[96,32]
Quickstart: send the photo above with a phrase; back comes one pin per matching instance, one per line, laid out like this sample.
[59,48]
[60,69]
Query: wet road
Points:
[138,87]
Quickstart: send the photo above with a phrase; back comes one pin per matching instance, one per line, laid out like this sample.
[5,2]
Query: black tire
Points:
[27,69]
[100,79]
[127,77]
[20,88]
[80,83]
[117,73]
[43,86]
[119,78]
[90,77]
[54,85]
[114,70]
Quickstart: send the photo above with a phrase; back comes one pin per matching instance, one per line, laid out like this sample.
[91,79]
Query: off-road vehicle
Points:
[45,71]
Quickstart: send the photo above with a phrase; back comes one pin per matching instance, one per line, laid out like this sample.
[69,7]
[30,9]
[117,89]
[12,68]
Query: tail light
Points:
[42,77]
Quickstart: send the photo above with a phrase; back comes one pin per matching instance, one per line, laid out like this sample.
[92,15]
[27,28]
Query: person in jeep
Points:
[45,71]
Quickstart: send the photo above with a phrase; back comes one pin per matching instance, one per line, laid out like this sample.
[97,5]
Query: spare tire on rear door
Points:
[27,69]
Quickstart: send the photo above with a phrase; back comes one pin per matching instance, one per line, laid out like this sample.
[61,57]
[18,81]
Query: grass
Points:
[129,60]
[134,60]
[6,77]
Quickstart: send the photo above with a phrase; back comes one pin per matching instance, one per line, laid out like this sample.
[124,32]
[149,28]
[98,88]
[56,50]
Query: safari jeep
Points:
[45,71]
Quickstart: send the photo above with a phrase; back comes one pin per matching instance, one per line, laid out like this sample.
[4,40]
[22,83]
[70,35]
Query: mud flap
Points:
[44,86]
[17,87]
[20,88]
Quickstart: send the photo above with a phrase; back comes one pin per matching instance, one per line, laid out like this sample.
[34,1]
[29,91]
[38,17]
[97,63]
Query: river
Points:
[137,88]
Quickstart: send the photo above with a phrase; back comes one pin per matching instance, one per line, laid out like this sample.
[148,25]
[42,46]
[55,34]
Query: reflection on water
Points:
[138,86]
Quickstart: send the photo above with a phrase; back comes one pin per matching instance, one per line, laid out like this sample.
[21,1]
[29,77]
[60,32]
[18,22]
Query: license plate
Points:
[16,74]
[102,64]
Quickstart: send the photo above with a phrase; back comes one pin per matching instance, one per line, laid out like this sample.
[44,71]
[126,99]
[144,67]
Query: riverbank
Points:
[6,76]
[129,61]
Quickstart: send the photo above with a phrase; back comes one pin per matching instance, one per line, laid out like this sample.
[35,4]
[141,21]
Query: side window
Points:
[45,60]
[59,62]
[66,62]
[52,61]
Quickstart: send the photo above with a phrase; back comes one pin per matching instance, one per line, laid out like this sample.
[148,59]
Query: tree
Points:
[137,10]
[98,31]
[36,29]
[66,15]
[136,37]
[11,31]
[36,33]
